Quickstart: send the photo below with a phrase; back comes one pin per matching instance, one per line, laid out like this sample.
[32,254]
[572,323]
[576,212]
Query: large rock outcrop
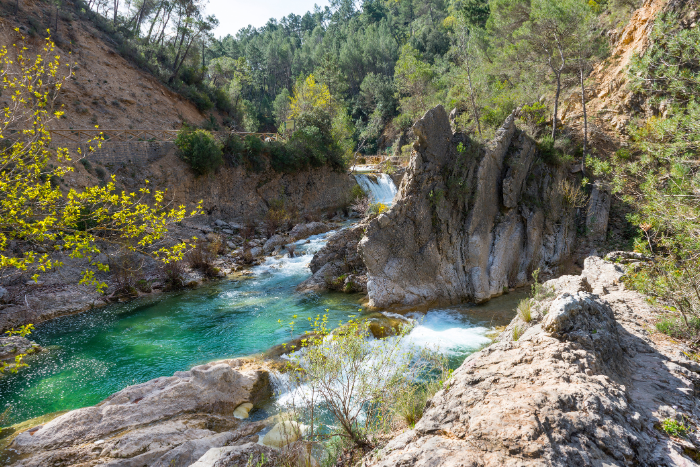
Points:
[582,384]
[469,221]
[168,421]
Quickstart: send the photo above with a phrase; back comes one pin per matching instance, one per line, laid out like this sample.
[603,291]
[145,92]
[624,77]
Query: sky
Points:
[236,14]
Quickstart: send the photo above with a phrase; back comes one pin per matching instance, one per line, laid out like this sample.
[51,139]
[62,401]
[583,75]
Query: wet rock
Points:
[243,410]
[338,265]
[11,346]
[381,325]
[275,241]
[301,231]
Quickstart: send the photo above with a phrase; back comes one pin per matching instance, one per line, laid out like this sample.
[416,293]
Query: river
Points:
[97,353]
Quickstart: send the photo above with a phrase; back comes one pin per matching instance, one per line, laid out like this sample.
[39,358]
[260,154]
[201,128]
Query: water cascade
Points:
[380,187]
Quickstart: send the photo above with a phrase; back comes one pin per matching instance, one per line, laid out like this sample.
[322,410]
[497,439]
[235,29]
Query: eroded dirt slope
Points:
[106,90]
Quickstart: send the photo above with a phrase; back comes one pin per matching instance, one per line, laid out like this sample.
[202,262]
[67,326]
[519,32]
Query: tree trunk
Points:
[585,120]
[556,107]
[116,9]
[153,23]
[184,56]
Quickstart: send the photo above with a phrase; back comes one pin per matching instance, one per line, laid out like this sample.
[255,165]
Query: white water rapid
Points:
[380,187]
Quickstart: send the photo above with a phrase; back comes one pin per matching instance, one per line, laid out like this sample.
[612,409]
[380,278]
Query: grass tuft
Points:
[525,310]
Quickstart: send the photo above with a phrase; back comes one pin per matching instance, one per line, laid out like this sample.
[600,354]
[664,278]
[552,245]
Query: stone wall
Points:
[116,153]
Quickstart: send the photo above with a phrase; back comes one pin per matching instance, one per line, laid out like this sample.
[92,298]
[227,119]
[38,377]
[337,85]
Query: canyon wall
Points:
[471,220]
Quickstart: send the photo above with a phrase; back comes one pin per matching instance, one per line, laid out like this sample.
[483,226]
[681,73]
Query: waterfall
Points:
[379,187]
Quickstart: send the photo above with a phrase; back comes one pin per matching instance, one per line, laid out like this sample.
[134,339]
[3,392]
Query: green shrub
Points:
[357,192]
[199,149]
[253,152]
[555,153]
[674,428]
[678,328]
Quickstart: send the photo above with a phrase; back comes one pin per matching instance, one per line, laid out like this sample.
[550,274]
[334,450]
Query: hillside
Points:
[107,90]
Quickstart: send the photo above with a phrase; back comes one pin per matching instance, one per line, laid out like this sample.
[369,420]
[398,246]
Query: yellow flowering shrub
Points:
[39,216]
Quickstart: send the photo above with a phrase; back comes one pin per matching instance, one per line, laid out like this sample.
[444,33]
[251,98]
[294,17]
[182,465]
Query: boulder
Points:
[274,242]
[338,265]
[470,220]
[284,433]
[306,230]
[243,410]
[174,419]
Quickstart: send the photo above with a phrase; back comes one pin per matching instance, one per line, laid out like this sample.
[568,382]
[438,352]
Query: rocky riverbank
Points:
[169,421]
[584,382]
[57,293]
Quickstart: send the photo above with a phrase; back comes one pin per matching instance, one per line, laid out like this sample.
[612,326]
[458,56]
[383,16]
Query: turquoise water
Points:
[97,353]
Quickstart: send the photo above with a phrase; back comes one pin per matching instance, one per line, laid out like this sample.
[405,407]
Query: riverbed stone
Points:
[274,242]
[301,231]
[284,433]
[243,410]
[11,346]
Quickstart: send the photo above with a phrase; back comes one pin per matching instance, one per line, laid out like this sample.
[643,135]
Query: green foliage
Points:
[668,69]
[534,116]
[517,332]
[678,329]
[360,383]
[357,192]
[539,291]
[674,428]
[555,153]
[200,149]
[660,179]
[375,209]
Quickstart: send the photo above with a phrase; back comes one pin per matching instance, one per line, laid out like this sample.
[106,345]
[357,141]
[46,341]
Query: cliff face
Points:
[582,385]
[468,221]
[232,193]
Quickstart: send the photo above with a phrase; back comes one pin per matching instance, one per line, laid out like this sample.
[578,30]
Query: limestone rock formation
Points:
[582,385]
[468,221]
[338,266]
[163,422]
